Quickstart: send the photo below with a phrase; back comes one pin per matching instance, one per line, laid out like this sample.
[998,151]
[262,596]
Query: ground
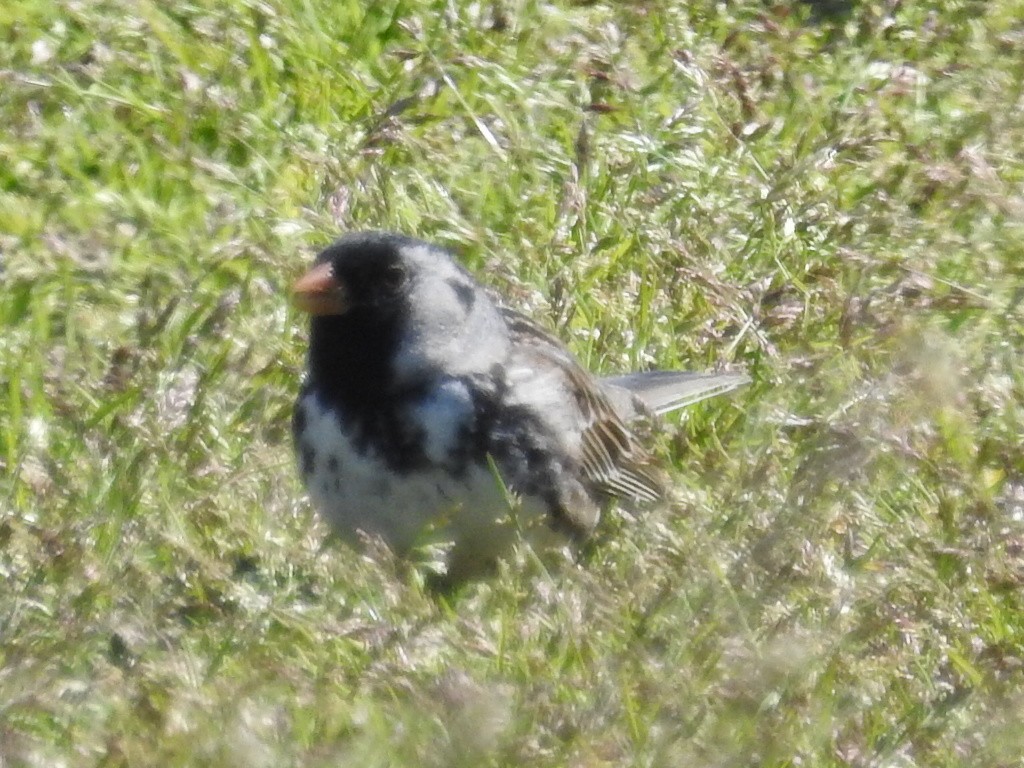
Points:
[829,196]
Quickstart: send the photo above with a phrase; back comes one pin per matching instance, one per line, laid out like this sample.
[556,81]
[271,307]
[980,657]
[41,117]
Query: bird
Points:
[433,414]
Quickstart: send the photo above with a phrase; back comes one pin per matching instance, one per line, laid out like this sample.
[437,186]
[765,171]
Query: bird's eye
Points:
[393,278]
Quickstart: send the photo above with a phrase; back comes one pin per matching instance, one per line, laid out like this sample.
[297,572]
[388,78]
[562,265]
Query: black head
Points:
[359,273]
[356,294]
[389,311]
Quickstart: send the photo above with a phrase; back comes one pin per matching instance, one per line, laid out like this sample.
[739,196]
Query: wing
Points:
[612,461]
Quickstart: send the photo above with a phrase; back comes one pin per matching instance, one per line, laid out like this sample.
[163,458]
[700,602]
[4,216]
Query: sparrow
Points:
[432,414]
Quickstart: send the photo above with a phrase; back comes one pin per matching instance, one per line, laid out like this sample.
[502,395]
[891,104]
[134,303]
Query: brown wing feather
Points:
[612,460]
[612,457]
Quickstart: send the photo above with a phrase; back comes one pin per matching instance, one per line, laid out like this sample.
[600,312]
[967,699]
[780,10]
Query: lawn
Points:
[830,197]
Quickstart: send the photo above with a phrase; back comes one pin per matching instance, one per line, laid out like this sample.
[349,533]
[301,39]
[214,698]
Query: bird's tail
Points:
[667,391]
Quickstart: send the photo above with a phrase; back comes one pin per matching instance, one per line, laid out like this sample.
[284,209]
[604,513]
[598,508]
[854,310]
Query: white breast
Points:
[357,492]
[443,413]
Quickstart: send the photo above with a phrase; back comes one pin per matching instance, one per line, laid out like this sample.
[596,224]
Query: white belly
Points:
[359,494]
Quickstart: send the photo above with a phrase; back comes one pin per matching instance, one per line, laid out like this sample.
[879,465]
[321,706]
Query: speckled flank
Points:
[356,491]
[308,459]
[444,413]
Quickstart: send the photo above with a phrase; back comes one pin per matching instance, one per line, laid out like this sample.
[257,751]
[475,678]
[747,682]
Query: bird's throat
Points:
[350,359]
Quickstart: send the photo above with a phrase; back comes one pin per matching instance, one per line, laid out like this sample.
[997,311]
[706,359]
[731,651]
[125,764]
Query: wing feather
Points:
[612,461]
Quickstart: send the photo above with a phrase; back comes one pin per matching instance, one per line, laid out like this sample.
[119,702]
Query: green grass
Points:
[833,202]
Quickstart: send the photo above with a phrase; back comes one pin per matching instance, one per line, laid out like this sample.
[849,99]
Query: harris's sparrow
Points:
[431,413]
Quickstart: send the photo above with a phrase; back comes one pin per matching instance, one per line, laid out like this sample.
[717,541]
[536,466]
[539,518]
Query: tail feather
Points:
[667,391]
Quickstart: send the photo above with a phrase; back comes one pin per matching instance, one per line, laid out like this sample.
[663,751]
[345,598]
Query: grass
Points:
[829,197]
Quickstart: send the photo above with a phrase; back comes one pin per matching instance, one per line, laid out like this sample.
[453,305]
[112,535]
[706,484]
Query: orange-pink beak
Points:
[320,293]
